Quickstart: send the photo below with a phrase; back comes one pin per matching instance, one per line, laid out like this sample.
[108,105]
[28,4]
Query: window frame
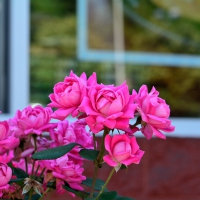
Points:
[185,127]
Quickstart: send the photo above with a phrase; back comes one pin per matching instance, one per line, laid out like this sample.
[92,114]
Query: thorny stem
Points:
[106,183]
[94,140]
[35,149]
[42,173]
[35,142]
[37,170]
[33,166]
[94,178]
[98,161]
[26,163]
[138,121]
[101,153]
[46,191]
[22,148]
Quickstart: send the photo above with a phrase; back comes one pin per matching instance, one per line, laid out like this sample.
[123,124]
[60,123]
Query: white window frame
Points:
[19,56]
[185,127]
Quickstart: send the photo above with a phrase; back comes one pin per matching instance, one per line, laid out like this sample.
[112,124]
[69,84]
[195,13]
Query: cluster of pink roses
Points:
[19,132]
[95,105]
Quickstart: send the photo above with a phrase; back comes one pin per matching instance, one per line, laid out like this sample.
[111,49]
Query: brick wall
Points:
[169,170]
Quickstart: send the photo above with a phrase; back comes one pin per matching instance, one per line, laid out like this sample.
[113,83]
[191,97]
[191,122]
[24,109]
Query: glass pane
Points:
[150,26]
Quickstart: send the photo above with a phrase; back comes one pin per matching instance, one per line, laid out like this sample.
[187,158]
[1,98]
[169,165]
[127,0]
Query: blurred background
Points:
[149,26]
[152,42]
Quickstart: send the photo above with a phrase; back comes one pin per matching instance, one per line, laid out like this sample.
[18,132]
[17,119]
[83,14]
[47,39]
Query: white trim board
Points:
[19,56]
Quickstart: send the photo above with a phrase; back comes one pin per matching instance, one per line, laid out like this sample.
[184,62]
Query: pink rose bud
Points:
[122,150]
[69,94]
[7,141]
[31,120]
[154,113]
[5,174]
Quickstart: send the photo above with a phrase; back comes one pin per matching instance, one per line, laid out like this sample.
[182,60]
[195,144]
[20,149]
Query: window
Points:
[159,50]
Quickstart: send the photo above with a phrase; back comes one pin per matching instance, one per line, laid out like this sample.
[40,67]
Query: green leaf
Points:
[90,198]
[123,166]
[18,181]
[54,153]
[89,154]
[34,197]
[108,195]
[123,198]
[76,192]
[98,185]
[19,173]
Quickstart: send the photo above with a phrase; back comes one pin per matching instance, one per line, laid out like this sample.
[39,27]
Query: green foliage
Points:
[108,195]
[89,154]
[54,153]
[33,197]
[76,192]
[98,185]
[19,173]
[18,181]
[123,198]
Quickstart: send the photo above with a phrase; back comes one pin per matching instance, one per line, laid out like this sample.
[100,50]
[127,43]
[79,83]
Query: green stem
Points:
[42,173]
[35,142]
[35,149]
[99,160]
[47,190]
[26,163]
[138,121]
[94,179]
[94,140]
[106,183]
[21,146]
[30,194]
[101,153]
[37,170]
[33,166]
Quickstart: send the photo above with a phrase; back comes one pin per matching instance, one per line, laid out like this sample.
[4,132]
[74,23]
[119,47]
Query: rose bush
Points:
[46,155]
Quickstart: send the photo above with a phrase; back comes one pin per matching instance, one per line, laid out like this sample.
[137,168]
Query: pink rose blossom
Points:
[108,106]
[7,141]
[5,174]
[122,150]
[65,170]
[31,120]
[7,157]
[154,113]
[69,94]
[64,133]
[4,189]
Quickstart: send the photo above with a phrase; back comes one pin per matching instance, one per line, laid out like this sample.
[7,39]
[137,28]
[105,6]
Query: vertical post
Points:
[118,34]
[4,56]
